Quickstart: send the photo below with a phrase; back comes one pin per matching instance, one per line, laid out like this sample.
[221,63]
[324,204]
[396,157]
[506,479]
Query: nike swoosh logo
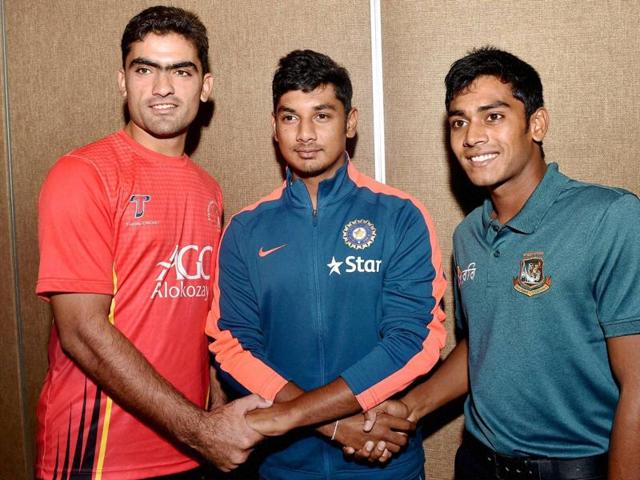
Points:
[264,253]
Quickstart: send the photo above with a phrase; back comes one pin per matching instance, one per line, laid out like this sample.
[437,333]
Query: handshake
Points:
[237,427]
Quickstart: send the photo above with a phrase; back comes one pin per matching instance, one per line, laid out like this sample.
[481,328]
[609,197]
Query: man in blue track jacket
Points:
[328,295]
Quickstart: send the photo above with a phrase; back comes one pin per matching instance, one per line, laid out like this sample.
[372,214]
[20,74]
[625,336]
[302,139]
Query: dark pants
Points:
[474,461]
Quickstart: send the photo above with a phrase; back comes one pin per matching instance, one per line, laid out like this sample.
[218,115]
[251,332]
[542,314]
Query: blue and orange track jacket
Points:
[352,290]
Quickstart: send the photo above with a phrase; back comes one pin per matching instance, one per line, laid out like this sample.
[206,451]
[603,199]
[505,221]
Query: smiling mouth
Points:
[485,157]
[163,107]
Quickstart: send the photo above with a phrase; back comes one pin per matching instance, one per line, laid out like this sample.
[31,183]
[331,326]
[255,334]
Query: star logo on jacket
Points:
[139,201]
[334,266]
[531,280]
[359,234]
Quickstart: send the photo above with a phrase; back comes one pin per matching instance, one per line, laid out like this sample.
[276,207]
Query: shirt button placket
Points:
[495,238]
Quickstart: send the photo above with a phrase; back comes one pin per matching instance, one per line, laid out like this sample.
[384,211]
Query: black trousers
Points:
[474,461]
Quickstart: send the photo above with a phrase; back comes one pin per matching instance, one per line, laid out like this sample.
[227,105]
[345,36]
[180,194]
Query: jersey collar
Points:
[536,207]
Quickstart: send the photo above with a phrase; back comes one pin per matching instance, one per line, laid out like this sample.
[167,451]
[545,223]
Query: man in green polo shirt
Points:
[547,296]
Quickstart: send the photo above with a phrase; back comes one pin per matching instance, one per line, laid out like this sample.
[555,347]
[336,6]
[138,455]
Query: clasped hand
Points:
[385,427]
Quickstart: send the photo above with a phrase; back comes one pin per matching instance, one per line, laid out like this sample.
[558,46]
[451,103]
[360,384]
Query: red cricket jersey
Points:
[116,218]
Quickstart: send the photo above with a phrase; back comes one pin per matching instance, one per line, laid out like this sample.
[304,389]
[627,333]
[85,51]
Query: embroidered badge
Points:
[359,234]
[213,213]
[531,280]
[468,273]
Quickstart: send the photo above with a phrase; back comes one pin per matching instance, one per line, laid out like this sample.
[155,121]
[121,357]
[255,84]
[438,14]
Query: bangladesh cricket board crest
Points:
[531,280]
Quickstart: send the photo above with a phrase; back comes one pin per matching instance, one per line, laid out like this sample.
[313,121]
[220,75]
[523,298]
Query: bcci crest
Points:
[359,234]
[531,280]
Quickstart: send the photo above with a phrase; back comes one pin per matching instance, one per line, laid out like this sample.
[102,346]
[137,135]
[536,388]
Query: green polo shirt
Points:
[537,298]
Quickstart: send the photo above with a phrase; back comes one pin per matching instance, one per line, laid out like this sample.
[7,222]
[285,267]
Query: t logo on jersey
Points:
[139,201]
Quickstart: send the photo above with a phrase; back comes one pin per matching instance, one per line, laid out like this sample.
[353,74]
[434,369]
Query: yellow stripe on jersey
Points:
[107,410]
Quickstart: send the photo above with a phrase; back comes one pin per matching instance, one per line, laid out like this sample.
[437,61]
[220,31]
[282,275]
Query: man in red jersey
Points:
[129,229]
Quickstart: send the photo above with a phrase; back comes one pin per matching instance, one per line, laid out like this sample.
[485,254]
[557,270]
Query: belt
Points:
[538,468]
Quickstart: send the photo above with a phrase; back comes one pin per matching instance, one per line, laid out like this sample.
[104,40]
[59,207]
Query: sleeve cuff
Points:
[621,328]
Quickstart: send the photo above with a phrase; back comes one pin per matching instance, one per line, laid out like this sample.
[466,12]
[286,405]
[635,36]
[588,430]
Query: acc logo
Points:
[190,263]
[359,234]
[531,280]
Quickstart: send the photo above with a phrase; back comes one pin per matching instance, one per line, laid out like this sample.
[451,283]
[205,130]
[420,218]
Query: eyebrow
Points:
[172,66]
[483,108]
[324,106]
[317,108]
[493,105]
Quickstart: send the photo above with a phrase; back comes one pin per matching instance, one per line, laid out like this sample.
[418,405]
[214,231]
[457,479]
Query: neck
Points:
[509,198]
[170,146]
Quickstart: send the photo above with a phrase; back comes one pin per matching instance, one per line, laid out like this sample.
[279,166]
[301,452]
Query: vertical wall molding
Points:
[22,391]
[378,91]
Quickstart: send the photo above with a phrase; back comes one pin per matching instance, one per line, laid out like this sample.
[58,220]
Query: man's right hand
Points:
[388,432]
[380,450]
[224,437]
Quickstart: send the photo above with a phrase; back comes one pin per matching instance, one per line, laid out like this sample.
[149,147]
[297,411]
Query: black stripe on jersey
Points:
[65,466]
[82,465]
[77,454]
[92,438]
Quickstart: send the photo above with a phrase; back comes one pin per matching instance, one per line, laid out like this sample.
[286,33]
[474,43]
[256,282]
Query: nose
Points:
[306,131]
[162,85]
[475,134]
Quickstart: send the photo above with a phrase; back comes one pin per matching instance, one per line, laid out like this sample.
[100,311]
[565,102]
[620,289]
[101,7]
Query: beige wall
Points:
[62,57]
[13,445]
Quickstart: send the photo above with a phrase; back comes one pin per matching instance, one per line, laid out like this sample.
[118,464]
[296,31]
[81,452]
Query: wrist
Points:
[191,428]
[414,408]
[326,429]
[294,417]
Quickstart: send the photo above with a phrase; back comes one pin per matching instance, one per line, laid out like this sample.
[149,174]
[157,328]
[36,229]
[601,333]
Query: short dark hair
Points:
[306,70]
[525,81]
[162,20]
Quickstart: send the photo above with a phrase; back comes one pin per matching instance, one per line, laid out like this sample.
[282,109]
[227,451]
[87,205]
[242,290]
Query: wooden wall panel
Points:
[586,54]
[14,453]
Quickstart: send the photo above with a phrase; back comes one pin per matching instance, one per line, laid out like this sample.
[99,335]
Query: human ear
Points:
[538,124]
[122,84]
[352,123]
[207,87]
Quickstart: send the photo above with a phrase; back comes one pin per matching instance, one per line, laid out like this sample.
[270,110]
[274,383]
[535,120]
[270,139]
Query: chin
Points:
[166,132]
[481,181]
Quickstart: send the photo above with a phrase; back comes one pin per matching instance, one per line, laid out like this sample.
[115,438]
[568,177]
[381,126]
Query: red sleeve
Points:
[75,229]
